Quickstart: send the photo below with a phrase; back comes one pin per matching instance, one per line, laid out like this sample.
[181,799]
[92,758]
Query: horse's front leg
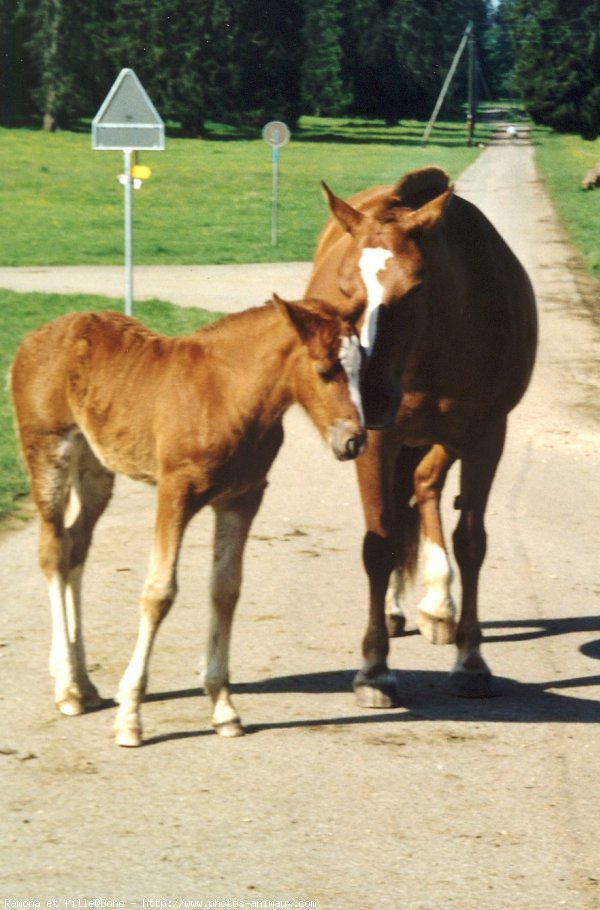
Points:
[471,676]
[374,684]
[437,612]
[158,595]
[231,531]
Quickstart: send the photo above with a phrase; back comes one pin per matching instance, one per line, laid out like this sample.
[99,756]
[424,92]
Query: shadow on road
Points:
[424,697]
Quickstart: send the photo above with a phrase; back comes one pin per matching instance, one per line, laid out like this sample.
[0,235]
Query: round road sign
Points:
[276,133]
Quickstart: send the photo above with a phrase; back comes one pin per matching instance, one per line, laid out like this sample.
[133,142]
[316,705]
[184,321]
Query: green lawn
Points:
[562,161]
[208,200]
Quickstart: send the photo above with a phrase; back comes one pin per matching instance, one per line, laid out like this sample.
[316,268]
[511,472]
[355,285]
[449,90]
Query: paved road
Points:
[443,803]
[222,288]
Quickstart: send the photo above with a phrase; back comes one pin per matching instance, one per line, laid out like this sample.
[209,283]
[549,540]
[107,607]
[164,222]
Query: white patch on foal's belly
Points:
[372,261]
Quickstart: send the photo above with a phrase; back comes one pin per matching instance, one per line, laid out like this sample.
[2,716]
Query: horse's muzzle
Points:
[345,441]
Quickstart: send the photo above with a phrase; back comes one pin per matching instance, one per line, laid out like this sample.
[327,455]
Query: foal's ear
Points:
[429,215]
[349,218]
[296,314]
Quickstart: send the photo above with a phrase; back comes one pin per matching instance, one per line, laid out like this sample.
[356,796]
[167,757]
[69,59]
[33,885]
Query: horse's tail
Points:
[408,520]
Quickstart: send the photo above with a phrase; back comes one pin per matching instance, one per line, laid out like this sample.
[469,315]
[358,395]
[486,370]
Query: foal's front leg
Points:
[158,595]
[231,532]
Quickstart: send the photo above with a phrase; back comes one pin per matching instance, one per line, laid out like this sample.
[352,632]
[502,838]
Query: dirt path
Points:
[443,803]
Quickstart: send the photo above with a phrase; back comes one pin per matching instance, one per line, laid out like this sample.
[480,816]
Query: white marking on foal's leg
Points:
[64,657]
[231,531]
[372,261]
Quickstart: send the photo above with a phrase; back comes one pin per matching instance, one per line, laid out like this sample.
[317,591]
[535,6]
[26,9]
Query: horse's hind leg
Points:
[471,676]
[71,489]
[436,620]
[407,524]
[231,531]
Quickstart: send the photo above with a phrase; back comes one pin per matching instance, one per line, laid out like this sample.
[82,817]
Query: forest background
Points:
[243,62]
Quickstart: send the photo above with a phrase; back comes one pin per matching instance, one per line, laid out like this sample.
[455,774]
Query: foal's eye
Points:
[329,374]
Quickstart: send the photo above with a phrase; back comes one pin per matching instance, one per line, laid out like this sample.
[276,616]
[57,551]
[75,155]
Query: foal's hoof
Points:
[71,705]
[130,739]
[471,683]
[78,699]
[395,624]
[435,630]
[376,692]
[229,728]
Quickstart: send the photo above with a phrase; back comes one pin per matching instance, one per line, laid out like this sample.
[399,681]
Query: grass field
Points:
[562,161]
[208,200]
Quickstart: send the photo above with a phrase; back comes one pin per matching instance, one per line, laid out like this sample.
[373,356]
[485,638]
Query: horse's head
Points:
[382,273]
[328,375]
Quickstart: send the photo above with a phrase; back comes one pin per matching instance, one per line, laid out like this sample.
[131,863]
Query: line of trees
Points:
[247,61]
[553,60]
[236,61]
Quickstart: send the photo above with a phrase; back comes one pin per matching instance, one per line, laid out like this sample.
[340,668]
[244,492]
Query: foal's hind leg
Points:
[471,676]
[71,490]
[231,531]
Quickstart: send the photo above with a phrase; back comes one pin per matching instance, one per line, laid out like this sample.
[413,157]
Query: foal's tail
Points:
[407,518]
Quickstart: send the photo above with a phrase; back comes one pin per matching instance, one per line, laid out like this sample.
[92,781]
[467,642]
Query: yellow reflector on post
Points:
[140,172]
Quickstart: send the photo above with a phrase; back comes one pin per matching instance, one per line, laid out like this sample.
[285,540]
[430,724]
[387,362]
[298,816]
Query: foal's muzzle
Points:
[346,442]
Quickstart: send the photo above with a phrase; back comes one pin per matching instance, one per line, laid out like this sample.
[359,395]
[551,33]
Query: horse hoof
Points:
[377,692]
[471,683]
[229,729]
[435,630]
[71,706]
[130,739]
[395,624]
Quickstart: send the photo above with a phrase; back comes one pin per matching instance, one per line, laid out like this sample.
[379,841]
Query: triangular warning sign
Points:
[127,118]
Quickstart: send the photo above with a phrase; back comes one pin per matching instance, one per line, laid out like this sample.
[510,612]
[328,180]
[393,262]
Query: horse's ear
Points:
[429,215]
[296,314]
[349,218]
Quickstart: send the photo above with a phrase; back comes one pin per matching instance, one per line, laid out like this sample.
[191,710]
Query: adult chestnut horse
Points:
[201,417]
[449,335]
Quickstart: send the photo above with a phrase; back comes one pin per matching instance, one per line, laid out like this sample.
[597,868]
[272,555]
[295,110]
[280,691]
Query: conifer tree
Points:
[323,89]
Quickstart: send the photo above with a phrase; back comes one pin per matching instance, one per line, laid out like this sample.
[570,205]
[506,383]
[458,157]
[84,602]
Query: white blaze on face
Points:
[372,261]
[350,360]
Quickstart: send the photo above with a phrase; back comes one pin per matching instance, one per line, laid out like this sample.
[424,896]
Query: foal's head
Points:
[383,270]
[328,375]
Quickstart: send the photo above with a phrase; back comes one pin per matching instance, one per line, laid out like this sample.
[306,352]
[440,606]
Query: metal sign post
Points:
[128,121]
[276,134]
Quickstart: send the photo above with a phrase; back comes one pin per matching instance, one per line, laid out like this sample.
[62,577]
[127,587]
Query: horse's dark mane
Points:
[418,187]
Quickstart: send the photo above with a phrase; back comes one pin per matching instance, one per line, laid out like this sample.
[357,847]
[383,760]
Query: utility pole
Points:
[447,82]
[472,83]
